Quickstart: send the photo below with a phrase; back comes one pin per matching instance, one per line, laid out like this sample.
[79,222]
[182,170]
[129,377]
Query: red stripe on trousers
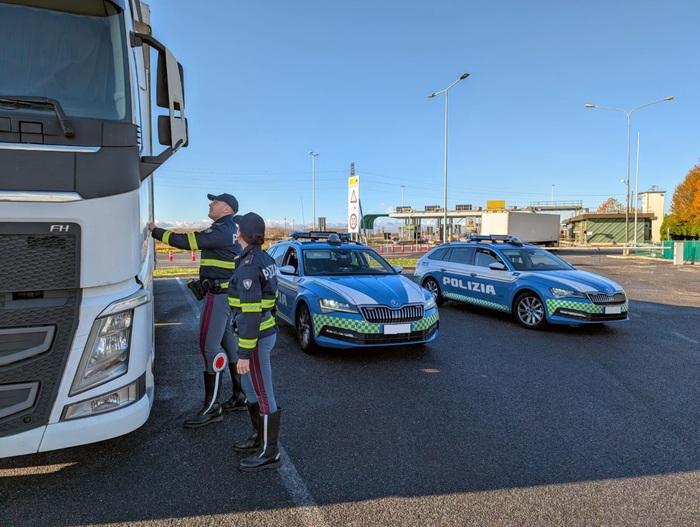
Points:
[204,325]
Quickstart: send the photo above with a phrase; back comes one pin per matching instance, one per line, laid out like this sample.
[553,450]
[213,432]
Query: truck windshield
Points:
[74,56]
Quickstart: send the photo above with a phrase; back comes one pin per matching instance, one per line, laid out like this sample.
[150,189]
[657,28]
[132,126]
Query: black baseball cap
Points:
[251,224]
[226,198]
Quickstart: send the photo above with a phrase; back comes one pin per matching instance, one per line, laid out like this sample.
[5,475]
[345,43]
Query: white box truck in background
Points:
[535,228]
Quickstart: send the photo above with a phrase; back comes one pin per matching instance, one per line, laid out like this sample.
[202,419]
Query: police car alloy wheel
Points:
[305,330]
[529,311]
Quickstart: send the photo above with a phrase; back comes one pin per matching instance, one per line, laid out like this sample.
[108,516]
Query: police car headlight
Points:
[558,292]
[429,303]
[106,354]
[328,306]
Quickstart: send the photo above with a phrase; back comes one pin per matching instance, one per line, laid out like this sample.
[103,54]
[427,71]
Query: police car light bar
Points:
[319,235]
[503,238]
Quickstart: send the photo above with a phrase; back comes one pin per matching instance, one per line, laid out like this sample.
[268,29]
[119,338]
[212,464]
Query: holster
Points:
[199,288]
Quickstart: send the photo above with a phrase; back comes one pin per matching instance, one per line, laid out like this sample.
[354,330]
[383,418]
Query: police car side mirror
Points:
[288,269]
[398,268]
[498,266]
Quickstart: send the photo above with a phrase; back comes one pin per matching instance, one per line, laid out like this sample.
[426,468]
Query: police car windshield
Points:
[528,259]
[344,261]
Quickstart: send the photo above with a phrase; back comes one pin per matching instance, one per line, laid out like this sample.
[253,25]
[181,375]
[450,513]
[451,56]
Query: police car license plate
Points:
[613,310]
[396,329]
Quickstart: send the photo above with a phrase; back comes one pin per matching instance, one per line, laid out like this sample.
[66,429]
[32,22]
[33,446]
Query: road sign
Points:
[353,204]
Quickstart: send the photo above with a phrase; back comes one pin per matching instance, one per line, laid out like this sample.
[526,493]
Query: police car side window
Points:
[462,255]
[276,253]
[292,259]
[440,254]
[485,257]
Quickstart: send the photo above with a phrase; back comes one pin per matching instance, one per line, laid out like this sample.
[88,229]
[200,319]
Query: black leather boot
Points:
[237,400]
[268,454]
[251,444]
[211,411]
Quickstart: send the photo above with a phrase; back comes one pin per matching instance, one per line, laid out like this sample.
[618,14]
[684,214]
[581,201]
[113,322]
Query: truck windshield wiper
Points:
[13,100]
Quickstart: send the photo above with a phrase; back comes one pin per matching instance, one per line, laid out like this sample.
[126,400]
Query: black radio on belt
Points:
[200,288]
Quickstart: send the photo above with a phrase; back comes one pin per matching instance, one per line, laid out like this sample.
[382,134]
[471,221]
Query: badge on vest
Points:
[247,283]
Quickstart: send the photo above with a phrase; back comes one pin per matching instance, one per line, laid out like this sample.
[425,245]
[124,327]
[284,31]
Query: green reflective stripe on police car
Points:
[192,238]
[476,301]
[248,344]
[221,264]
[354,324]
[425,323]
[579,305]
[362,326]
[166,237]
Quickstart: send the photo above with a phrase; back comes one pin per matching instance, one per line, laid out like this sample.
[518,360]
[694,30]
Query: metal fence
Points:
[665,251]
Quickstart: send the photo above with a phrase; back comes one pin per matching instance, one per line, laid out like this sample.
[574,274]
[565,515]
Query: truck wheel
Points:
[431,285]
[305,330]
[529,311]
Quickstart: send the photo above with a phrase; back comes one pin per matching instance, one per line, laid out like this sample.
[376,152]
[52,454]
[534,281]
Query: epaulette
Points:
[248,260]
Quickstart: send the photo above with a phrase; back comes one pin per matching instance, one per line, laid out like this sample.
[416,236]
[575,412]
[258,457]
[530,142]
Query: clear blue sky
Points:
[267,81]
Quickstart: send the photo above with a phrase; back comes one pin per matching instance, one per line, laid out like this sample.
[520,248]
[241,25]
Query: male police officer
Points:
[219,246]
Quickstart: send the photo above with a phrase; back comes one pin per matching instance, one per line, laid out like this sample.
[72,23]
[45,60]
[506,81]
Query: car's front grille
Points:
[387,315]
[617,298]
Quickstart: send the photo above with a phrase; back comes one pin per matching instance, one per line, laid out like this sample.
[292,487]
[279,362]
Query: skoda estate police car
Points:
[537,287]
[342,294]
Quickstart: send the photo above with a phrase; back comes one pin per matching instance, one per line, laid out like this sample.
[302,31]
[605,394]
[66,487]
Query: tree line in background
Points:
[684,220]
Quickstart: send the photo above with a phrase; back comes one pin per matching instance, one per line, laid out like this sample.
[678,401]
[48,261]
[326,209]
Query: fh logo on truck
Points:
[468,285]
[59,228]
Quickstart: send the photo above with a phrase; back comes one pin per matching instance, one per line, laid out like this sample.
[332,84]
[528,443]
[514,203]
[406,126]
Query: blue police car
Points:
[537,287]
[342,294]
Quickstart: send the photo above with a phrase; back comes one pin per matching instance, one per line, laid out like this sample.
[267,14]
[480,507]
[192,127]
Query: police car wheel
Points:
[529,311]
[431,285]
[305,330]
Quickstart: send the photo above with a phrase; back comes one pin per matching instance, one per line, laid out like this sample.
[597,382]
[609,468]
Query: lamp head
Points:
[464,76]
[669,98]
[590,106]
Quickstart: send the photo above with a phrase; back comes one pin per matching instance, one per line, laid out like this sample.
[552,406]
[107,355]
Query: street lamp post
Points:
[445,91]
[402,187]
[313,188]
[627,179]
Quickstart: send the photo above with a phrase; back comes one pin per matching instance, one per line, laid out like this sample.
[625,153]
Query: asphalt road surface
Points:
[491,424]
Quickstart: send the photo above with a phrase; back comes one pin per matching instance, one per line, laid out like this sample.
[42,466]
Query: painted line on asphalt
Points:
[296,488]
[680,336]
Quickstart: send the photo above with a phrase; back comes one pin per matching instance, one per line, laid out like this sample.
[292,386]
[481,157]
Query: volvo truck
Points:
[76,196]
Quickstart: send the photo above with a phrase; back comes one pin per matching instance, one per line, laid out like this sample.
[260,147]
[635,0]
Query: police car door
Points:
[490,286]
[287,283]
[453,268]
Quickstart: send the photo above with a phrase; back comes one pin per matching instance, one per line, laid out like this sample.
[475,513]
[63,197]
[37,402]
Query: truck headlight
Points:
[329,305]
[558,292]
[106,354]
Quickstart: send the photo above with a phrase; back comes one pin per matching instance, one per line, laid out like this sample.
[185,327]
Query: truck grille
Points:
[33,258]
[39,306]
[387,315]
[617,298]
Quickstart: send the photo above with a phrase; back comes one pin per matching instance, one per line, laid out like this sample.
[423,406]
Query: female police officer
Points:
[252,294]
